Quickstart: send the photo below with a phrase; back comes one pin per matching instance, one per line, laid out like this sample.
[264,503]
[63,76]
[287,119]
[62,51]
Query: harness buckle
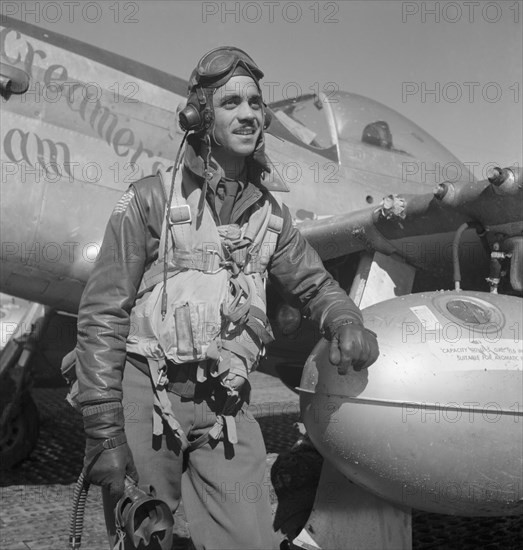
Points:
[180,214]
[210,262]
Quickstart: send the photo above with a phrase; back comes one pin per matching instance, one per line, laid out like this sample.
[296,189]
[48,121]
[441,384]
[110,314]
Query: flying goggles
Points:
[216,67]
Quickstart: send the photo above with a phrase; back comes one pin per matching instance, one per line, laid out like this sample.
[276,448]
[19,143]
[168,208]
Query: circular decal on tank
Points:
[469,311]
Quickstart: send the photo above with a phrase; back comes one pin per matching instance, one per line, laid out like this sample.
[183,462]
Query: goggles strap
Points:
[201,96]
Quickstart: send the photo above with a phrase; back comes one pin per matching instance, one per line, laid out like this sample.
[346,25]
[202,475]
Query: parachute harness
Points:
[242,329]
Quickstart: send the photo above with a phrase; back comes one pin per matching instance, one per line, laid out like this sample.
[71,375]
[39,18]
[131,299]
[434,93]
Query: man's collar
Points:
[258,165]
[194,162]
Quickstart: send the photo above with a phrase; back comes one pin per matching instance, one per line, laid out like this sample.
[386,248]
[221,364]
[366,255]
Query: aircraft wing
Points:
[379,228]
[406,225]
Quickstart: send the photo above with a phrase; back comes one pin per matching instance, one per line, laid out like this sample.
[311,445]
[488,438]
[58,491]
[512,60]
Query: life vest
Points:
[216,307]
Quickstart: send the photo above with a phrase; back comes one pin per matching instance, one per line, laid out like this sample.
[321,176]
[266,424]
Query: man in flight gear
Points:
[173,317]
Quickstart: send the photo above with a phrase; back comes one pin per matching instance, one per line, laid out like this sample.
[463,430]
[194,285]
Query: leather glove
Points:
[352,344]
[108,458]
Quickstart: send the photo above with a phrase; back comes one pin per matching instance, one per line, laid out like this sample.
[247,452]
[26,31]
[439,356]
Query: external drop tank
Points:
[436,423]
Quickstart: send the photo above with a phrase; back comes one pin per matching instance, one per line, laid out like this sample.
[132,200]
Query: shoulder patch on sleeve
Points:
[123,203]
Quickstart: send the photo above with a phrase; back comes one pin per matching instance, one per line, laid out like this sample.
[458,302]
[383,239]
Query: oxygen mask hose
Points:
[141,518]
[77,513]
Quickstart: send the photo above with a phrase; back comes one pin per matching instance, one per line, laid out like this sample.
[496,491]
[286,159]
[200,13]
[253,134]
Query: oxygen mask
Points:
[142,520]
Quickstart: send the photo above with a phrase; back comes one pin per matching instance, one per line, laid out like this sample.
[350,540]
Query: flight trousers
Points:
[224,488]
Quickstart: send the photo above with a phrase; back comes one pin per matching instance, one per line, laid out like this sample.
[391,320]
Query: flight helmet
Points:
[213,70]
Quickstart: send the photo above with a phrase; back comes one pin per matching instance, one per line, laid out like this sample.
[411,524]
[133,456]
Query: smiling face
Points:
[238,117]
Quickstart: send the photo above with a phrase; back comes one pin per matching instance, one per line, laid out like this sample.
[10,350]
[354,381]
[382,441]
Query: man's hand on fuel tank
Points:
[353,344]
[108,458]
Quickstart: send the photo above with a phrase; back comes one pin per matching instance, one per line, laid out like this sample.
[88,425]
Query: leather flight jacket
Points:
[130,246]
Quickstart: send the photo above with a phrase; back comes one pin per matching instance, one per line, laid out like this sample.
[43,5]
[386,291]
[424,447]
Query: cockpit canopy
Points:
[334,124]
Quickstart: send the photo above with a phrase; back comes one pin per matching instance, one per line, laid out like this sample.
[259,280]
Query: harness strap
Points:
[143,367]
[255,323]
[154,275]
[223,420]
[239,349]
[258,223]
[235,311]
[259,333]
[208,261]
[181,233]
[162,409]
[259,315]
[275,223]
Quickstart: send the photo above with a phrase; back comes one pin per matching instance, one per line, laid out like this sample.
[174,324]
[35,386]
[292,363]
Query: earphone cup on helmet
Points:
[189,118]
[196,116]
